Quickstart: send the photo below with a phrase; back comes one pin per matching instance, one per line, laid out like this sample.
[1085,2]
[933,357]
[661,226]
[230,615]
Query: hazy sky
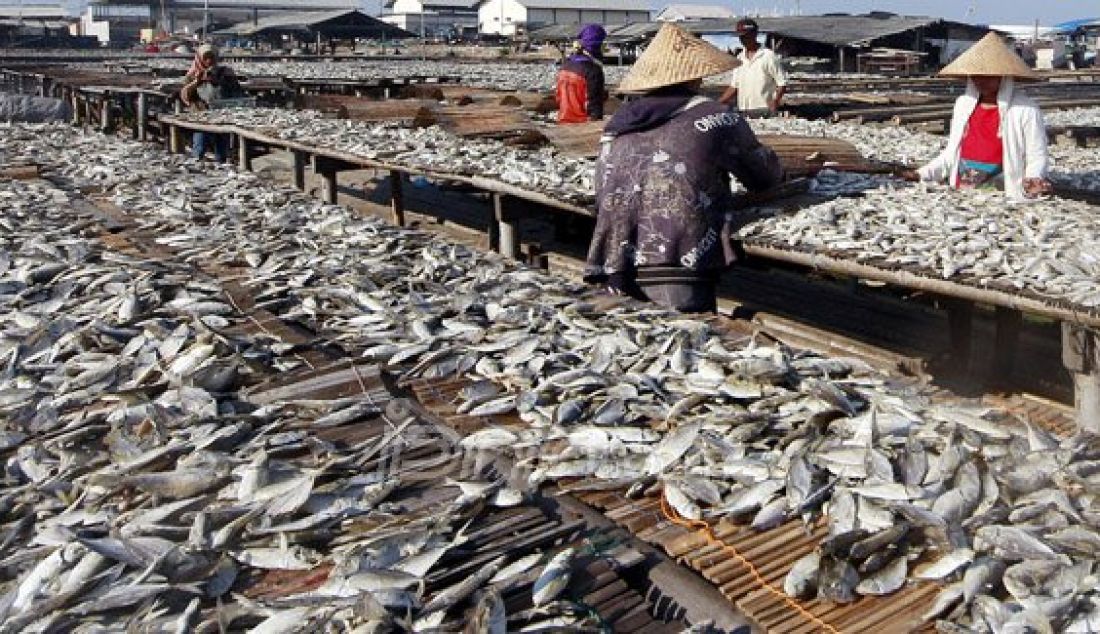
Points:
[1048,12]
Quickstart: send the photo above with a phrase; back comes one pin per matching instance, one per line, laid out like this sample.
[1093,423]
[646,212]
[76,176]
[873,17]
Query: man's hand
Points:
[773,105]
[1037,187]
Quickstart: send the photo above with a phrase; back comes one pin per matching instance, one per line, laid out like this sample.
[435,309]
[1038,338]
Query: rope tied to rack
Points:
[703,529]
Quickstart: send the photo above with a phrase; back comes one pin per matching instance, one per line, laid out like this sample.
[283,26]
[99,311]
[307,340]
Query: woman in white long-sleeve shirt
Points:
[997,136]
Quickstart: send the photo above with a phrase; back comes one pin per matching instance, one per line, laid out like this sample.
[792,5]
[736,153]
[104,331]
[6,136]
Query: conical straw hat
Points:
[675,56]
[989,57]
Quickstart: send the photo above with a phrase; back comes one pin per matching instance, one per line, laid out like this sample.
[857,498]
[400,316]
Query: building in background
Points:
[118,24]
[195,16]
[321,29]
[822,42]
[431,18]
[694,12]
[35,25]
[518,17]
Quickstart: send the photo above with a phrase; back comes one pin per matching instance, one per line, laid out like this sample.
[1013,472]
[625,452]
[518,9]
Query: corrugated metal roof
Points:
[308,21]
[589,5]
[33,12]
[448,4]
[835,30]
[298,5]
[696,12]
[843,30]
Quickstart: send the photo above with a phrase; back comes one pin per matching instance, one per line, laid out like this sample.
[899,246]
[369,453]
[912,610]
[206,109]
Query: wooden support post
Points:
[142,116]
[1009,324]
[105,114]
[397,198]
[960,317]
[175,141]
[299,169]
[507,226]
[244,155]
[536,258]
[328,186]
[74,99]
[1081,356]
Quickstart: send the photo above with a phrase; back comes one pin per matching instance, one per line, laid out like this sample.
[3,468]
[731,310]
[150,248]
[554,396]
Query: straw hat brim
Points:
[674,57]
[990,57]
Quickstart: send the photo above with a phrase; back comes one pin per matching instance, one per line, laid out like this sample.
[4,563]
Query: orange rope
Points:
[704,529]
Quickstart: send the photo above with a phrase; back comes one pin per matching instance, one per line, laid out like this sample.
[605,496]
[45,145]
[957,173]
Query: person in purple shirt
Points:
[665,212]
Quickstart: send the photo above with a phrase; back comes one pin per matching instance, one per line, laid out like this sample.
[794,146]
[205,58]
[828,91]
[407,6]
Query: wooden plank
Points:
[799,155]
[332,385]
[21,172]
[484,121]
[361,109]
[575,139]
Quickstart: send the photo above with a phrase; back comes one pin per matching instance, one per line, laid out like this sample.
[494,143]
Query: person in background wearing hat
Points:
[208,81]
[580,89]
[665,213]
[760,82]
[997,136]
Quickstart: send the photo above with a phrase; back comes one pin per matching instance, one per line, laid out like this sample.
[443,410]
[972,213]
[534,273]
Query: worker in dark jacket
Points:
[209,81]
[665,210]
[581,90]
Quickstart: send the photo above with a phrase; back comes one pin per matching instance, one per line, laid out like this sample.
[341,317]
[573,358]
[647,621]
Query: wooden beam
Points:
[26,171]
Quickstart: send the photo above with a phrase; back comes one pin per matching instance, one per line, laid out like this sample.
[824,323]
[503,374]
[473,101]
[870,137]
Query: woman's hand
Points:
[913,176]
[1037,187]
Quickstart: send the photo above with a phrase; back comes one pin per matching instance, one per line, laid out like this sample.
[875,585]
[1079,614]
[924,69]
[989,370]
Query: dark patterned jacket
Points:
[663,185]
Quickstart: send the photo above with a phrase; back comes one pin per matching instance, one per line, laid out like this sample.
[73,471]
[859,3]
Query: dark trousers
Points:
[677,288]
[203,140]
[690,297]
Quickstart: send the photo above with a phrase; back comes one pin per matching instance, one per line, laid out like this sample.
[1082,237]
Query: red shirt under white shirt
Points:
[982,151]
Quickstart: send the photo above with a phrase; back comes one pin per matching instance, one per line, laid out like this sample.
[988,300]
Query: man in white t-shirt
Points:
[759,83]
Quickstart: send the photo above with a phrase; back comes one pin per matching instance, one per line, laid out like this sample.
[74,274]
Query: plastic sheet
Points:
[24,109]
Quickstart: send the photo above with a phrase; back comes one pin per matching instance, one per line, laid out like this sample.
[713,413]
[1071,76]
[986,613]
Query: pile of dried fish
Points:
[480,74]
[1071,167]
[432,148]
[1047,249]
[637,398]
[888,144]
[1073,117]
[143,489]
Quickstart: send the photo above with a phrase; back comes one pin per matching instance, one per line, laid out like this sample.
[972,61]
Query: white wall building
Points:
[692,12]
[109,23]
[430,17]
[507,17]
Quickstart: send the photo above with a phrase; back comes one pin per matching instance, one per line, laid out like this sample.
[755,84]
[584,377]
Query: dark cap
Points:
[747,27]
